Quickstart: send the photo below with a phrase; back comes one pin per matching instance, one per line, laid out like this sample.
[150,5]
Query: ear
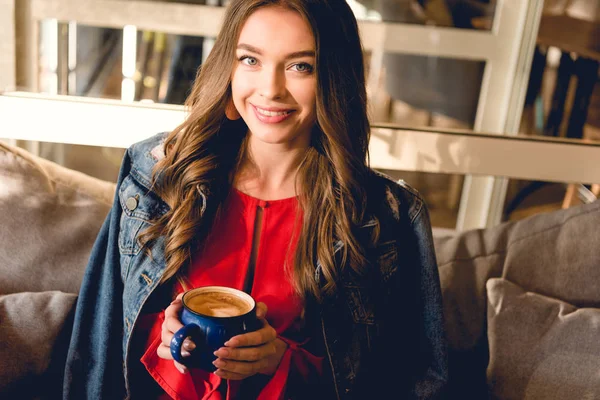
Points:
[231,112]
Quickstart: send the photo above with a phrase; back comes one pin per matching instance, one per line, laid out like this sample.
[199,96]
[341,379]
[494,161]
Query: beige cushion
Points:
[555,254]
[540,347]
[49,219]
[33,333]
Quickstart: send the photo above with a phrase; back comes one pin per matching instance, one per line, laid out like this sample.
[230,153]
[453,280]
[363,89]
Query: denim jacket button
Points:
[131,203]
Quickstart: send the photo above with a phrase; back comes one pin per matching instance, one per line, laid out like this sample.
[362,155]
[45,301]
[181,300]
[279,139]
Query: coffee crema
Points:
[218,304]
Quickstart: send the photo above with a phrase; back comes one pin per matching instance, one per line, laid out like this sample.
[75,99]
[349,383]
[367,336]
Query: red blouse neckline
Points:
[246,198]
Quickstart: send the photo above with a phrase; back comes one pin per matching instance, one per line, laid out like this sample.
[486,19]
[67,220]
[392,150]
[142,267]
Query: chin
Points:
[272,137]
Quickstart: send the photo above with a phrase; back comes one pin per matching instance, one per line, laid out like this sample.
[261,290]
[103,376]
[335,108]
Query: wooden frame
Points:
[506,49]
[98,122]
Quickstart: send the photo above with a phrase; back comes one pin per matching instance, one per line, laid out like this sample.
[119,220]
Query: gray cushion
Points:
[555,254]
[540,347]
[49,219]
[34,331]
[558,255]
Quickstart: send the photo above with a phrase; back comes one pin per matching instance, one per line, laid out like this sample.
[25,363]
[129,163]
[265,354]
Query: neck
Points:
[268,171]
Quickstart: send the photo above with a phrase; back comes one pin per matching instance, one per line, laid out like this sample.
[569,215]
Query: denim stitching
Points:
[147,279]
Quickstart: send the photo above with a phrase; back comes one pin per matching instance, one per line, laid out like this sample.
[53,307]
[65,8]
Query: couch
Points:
[521,300]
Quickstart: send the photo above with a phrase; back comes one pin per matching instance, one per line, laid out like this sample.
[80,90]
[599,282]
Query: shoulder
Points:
[144,155]
[395,199]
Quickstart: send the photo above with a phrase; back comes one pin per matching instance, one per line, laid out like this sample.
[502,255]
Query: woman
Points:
[265,187]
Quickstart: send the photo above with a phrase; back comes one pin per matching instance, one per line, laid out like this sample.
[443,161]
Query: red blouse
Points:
[225,262]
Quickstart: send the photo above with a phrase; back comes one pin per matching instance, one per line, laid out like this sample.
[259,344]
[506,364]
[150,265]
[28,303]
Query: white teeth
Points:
[271,113]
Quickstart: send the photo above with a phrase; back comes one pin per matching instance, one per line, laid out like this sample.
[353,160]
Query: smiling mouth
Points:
[268,113]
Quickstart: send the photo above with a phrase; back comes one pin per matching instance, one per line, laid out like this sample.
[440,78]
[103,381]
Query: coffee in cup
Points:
[211,316]
[219,303]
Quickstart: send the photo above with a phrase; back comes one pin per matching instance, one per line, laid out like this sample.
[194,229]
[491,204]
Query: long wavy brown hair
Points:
[204,152]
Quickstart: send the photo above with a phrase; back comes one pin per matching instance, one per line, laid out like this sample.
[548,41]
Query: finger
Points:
[173,310]
[264,335]
[182,368]
[247,353]
[261,310]
[165,352]
[230,375]
[240,367]
[172,324]
[188,344]
[166,336]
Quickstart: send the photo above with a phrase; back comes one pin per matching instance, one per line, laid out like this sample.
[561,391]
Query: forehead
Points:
[272,28]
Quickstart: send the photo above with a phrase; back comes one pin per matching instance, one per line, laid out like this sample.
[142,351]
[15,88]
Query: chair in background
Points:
[417,90]
[579,43]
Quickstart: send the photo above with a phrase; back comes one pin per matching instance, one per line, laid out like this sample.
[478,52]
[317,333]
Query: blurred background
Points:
[430,66]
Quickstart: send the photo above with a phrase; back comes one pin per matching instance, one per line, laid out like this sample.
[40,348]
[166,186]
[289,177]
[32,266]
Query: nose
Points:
[272,84]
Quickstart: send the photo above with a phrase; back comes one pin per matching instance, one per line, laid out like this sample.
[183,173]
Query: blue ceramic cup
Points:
[212,315]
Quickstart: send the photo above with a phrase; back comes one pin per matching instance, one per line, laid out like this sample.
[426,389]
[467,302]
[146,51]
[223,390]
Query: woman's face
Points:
[274,78]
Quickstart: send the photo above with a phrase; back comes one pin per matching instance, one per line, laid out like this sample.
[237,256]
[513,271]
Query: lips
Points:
[271,115]
[272,112]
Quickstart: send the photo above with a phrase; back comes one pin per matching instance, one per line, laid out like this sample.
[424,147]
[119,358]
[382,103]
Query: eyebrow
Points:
[296,54]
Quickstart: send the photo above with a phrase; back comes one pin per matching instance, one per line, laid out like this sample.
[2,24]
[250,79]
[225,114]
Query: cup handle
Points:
[192,330]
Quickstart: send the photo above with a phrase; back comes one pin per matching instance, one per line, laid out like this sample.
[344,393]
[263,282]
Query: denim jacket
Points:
[382,333]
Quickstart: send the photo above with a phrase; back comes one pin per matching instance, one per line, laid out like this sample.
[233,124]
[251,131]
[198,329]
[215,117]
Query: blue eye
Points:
[248,60]
[303,67]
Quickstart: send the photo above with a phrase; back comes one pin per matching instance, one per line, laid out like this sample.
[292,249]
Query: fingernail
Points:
[189,345]
[223,353]
[183,370]
[219,363]
[185,353]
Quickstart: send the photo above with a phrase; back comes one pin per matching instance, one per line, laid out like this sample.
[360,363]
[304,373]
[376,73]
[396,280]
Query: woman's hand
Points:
[251,353]
[170,325]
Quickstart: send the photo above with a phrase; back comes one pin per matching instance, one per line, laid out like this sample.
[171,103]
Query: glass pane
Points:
[413,91]
[562,100]
[406,86]
[425,91]
[441,193]
[463,14]
[526,198]
[214,3]
[99,162]
[563,97]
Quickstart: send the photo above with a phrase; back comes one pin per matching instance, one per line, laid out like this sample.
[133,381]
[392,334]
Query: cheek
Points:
[311,106]
[240,89]
[307,96]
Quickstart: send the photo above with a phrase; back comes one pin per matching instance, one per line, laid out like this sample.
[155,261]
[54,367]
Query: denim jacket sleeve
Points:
[94,365]
[433,347]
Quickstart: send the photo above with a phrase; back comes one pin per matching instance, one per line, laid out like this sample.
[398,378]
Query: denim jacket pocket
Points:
[360,305]
[138,207]
[386,255]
